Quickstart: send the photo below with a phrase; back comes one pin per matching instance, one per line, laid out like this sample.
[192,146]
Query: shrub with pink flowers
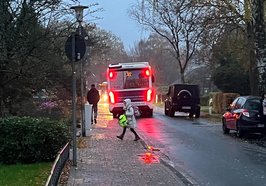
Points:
[50,109]
[48,105]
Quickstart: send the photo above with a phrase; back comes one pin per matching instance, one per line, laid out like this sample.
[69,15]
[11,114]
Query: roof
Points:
[182,84]
[130,65]
[249,97]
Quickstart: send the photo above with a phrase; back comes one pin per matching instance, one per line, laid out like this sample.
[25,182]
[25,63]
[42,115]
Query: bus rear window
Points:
[129,79]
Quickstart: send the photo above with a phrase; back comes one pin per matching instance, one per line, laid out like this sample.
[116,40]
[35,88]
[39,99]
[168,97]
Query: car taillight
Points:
[149,95]
[246,113]
[111,97]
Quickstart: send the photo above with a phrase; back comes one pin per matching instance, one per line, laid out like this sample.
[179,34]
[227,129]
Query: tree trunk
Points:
[253,75]
[259,40]
[182,75]
[1,102]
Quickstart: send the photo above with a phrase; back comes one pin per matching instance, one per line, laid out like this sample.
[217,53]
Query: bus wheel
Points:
[148,113]
[115,115]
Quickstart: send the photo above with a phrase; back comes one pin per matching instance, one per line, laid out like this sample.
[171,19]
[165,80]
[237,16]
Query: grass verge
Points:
[25,174]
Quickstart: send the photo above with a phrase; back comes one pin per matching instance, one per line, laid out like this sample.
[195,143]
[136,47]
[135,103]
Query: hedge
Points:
[221,101]
[29,140]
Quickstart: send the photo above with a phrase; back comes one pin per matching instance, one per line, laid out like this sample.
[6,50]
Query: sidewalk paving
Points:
[106,160]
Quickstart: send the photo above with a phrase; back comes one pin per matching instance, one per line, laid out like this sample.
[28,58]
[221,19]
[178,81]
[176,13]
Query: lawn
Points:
[24,174]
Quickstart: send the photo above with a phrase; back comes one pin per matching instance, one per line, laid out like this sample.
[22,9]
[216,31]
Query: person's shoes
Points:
[120,137]
[95,121]
[137,138]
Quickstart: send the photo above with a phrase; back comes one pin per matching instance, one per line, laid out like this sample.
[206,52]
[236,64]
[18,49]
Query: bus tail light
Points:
[111,74]
[111,97]
[149,95]
[147,73]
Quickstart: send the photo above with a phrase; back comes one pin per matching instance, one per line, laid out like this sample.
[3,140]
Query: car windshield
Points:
[252,104]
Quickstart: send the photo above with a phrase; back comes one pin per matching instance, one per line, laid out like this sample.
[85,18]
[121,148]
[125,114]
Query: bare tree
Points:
[180,22]
[31,48]
[105,48]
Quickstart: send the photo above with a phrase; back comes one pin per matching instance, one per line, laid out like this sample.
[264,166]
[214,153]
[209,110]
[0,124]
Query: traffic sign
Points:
[78,45]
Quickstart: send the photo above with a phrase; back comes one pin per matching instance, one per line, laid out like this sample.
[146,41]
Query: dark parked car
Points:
[243,116]
[183,98]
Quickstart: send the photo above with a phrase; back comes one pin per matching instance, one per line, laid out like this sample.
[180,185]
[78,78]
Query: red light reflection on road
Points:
[149,158]
[150,127]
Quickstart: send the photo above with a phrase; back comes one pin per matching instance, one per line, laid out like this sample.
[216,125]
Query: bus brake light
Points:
[111,97]
[111,75]
[147,72]
[149,95]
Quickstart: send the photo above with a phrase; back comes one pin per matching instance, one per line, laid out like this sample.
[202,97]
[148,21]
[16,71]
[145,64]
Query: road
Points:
[200,150]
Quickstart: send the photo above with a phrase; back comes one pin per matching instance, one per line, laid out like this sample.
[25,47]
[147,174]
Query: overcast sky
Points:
[115,18]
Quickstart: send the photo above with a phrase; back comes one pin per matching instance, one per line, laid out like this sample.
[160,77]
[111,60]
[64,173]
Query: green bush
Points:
[28,140]
[204,100]
[221,101]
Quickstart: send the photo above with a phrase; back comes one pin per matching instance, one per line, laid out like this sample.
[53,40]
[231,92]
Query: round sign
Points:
[78,45]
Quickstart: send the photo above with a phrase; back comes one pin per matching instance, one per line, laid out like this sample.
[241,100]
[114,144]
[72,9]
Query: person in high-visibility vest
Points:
[123,120]
[131,122]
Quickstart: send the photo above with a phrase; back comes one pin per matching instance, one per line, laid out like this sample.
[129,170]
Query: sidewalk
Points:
[105,160]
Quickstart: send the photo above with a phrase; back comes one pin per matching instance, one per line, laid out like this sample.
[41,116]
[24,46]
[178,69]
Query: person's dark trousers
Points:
[132,130]
[123,133]
[136,135]
[94,113]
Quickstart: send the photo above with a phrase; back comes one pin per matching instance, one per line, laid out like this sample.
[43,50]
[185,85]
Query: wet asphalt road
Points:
[204,154]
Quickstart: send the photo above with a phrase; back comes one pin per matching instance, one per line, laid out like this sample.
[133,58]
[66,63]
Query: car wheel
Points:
[171,112]
[239,131]
[166,112]
[191,115]
[225,129]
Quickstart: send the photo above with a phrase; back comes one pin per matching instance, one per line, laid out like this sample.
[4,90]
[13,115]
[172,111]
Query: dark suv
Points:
[183,98]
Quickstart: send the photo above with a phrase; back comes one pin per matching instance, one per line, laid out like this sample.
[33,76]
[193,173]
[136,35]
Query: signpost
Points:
[75,42]
[75,49]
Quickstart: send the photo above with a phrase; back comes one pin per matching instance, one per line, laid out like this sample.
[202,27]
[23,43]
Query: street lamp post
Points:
[79,16]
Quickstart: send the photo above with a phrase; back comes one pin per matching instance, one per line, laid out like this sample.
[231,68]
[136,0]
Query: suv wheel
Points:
[225,129]
[166,112]
[171,112]
[197,114]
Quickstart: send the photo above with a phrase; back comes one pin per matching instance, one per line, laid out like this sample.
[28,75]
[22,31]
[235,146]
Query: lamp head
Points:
[79,12]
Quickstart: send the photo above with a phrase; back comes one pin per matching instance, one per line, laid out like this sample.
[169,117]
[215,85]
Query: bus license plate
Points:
[186,107]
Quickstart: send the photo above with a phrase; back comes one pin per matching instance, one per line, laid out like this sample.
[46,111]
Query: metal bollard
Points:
[88,128]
